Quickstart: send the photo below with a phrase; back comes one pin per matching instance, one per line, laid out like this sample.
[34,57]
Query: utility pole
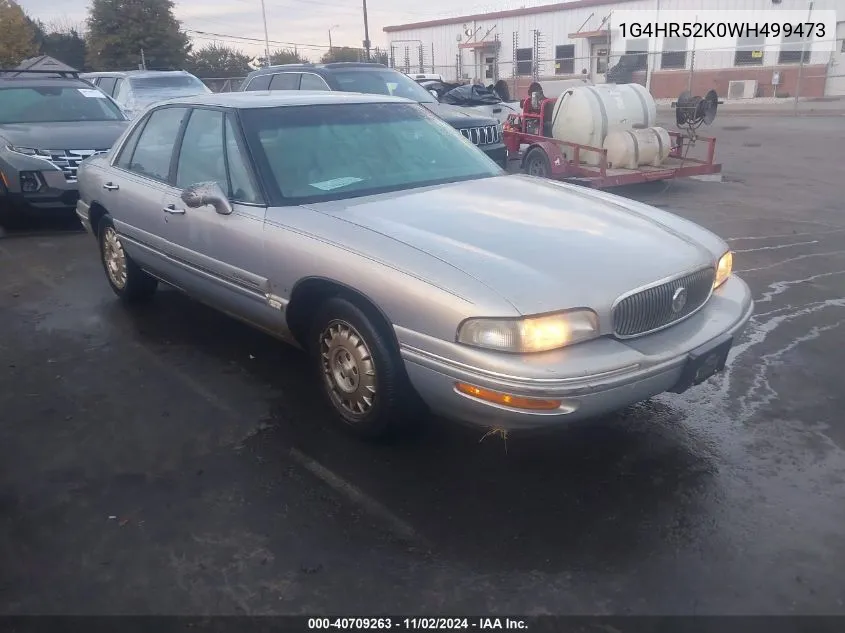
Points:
[143,65]
[266,36]
[801,66]
[366,35]
[330,41]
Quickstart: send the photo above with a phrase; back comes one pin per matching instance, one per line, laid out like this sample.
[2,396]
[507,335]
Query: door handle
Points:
[171,209]
[110,186]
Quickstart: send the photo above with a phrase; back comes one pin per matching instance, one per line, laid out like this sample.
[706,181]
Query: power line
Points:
[334,6]
[224,36]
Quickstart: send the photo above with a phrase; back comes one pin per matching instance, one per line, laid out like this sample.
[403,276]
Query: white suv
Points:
[134,90]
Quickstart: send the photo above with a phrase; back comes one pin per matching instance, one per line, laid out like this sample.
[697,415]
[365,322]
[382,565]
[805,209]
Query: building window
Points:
[524,61]
[489,63]
[638,48]
[601,56]
[791,49]
[674,53]
[565,59]
[749,51]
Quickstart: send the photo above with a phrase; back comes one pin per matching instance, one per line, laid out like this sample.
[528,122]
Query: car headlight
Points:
[723,269]
[530,334]
[28,151]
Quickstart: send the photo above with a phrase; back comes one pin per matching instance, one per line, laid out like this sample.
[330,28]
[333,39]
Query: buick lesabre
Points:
[411,268]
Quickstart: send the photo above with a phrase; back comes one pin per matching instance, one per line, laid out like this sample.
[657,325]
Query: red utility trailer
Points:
[548,157]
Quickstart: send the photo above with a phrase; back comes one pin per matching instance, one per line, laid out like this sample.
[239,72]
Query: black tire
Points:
[131,283]
[537,163]
[337,323]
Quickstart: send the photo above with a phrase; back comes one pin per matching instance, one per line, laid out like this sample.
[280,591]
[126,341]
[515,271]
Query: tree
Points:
[218,60]
[118,30]
[66,45]
[18,36]
[286,56]
[342,54]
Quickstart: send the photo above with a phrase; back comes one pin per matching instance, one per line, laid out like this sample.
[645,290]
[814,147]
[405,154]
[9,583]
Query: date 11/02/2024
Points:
[700,30]
[385,623]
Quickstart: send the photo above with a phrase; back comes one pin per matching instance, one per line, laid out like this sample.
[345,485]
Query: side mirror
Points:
[207,193]
[434,94]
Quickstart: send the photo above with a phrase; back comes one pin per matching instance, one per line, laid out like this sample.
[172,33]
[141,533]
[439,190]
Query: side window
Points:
[243,187]
[121,91]
[261,82]
[312,82]
[201,155]
[125,157]
[106,84]
[285,81]
[154,151]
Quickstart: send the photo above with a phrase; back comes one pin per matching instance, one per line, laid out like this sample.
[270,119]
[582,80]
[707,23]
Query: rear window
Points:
[167,83]
[56,104]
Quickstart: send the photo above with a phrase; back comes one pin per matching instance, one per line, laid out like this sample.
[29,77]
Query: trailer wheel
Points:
[537,163]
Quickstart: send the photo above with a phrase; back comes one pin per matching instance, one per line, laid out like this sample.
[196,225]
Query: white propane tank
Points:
[586,114]
[628,149]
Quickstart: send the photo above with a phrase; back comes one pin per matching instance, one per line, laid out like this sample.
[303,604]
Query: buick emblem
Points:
[679,300]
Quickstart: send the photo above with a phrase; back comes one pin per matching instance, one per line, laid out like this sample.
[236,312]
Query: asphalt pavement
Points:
[169,460]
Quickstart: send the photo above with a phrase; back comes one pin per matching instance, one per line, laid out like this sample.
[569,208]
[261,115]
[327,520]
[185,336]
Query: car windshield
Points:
[56,104]
[382,82]
[329,152]
[169,85]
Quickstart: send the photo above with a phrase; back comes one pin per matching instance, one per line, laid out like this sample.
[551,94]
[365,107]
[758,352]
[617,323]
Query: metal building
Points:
[579,38]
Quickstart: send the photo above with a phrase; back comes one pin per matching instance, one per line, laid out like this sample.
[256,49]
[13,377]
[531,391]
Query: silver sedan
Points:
[415,272]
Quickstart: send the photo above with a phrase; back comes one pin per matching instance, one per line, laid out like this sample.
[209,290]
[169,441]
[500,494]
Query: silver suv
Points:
[49,123]
[134,90]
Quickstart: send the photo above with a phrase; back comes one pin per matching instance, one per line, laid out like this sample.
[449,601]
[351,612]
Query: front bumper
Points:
[57,196]
[591,379]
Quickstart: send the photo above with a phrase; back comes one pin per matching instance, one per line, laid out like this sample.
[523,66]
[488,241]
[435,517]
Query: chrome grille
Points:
[652,309]
[68,159]
[482,135]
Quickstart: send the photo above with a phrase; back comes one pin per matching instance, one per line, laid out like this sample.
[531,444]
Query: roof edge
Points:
[508,13]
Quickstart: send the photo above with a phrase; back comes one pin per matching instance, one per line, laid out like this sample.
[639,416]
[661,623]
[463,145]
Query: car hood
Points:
[458,117]
[540,245]
[74,135]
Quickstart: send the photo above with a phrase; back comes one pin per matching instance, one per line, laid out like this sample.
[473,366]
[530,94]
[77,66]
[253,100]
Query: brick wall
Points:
[668,84]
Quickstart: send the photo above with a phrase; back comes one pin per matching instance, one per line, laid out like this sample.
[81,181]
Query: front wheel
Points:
[125,277]
[361,372]
[537,163]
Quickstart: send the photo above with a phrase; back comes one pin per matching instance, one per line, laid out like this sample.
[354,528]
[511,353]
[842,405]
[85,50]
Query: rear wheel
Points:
[537,163]
[125,277]
[361,373]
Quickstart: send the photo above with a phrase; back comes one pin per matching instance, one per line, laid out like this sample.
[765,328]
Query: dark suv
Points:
[49,123]
[379,79]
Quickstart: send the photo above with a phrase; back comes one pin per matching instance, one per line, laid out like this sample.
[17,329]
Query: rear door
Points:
[135,192]
[222,255]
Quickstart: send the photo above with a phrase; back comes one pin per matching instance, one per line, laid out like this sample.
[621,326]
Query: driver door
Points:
[222,255]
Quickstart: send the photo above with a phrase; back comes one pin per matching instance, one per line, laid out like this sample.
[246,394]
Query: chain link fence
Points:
[770,73]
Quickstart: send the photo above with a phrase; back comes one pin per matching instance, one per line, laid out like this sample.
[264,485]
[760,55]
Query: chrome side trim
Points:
[233,284]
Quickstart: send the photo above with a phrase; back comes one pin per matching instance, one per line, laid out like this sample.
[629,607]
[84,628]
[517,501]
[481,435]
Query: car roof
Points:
[134,73]
[273,99]
[319,67]
[41,81]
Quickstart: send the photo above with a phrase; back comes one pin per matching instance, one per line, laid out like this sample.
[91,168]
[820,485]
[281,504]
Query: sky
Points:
[304,22]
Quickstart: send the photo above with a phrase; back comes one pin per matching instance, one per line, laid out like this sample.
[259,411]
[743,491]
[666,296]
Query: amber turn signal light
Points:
[507,400]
